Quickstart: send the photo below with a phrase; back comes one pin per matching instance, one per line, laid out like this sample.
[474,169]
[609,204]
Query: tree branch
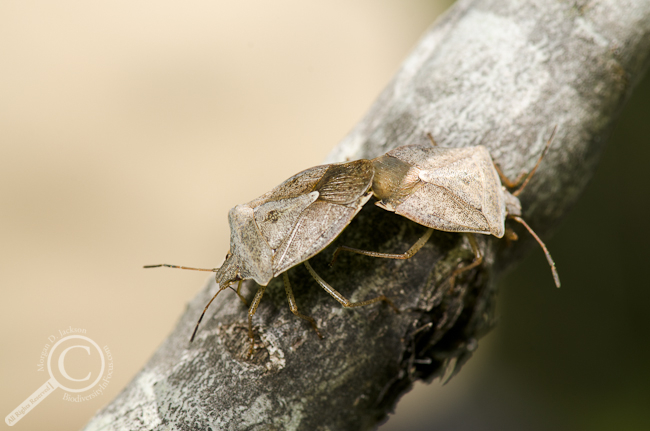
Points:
[497,73]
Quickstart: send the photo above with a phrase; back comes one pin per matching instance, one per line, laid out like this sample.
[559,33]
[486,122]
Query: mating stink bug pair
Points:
[449,189]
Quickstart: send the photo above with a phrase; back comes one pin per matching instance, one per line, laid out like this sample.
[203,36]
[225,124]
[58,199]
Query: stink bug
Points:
[449,189]
[289,225]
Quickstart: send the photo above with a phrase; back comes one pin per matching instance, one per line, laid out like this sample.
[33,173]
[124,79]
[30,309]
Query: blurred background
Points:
[128,130]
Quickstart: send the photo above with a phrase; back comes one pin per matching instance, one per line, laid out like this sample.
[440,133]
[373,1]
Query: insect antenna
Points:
[201,269]
[196,328]
[166,265]
[556,276]
[530,174]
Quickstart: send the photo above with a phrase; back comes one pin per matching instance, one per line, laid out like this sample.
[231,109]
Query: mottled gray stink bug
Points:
[289,225]
[449,189]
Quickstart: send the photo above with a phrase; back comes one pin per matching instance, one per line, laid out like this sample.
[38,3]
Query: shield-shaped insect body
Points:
[289,225]
[294,221]
[448,189]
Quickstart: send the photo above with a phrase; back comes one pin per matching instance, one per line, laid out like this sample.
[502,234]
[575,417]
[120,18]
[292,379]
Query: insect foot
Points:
[449,189]
[287,226]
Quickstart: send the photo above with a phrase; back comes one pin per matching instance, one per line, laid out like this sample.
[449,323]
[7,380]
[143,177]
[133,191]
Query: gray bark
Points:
[497,73]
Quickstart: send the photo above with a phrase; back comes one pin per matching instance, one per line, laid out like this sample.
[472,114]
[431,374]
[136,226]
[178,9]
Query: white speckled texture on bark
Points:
[492,72]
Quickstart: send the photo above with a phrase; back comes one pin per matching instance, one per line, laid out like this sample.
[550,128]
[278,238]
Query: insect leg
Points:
[556,276]
[251,313]
[478,259]
[340,298]
[510,235]
[409,253]
[196,328]
[294,307]
[507,181]
[238,292]
[523,179]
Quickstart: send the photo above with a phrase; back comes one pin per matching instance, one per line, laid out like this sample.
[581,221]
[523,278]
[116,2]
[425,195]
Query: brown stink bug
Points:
[289,225]
[449,189]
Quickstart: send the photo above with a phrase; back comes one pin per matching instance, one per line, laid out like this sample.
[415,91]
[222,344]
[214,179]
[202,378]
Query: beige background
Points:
[128,129]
